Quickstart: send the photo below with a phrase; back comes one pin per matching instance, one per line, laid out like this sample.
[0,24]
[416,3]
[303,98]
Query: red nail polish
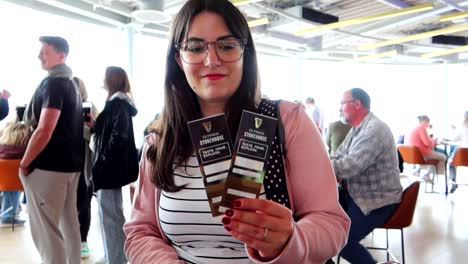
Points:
[236,203]
[229,212]
[227,228]
[226,220]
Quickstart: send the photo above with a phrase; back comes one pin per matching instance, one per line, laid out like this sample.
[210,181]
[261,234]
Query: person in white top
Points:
[462,141]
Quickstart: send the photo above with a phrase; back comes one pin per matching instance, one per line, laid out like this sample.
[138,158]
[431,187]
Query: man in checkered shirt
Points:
[366,164]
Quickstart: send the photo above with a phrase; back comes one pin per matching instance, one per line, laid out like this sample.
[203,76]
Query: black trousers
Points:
[83,201]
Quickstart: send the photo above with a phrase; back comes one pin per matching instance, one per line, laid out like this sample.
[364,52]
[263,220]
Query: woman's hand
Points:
[263,225]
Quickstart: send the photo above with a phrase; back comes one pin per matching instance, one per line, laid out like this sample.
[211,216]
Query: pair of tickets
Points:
[232,173]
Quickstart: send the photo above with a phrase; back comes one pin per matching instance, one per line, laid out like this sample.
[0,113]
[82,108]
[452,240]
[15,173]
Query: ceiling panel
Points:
[279,33]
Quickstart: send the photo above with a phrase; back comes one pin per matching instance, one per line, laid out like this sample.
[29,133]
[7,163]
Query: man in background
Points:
[53,160]
[366,164]
[424,141]
[336,133]
[314,113]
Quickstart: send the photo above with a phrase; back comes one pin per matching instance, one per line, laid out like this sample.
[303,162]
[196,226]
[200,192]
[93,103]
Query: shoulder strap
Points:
[275,177]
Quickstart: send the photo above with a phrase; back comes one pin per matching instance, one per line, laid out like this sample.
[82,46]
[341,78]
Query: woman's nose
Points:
[212,58]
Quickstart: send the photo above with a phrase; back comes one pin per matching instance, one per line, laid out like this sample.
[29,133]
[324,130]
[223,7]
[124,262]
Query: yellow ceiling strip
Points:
[365,19]
[258,22]
[444,52]
[453,16]
[389,53]
[428,34]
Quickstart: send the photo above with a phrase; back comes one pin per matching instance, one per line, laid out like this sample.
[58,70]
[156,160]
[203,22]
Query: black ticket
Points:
[253,143]
[212,144]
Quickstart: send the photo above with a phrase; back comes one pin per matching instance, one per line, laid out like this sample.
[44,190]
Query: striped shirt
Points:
[186,219]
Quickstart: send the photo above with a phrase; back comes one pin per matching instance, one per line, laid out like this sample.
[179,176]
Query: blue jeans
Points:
[112,221]
[10,199]
[452,169]
[361,226]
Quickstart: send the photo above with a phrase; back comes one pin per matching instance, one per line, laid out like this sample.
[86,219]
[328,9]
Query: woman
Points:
[85,189]
[13,142]
[212,68]
[116,162]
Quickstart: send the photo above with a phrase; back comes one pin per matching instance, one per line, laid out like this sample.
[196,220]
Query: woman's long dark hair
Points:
[180,102]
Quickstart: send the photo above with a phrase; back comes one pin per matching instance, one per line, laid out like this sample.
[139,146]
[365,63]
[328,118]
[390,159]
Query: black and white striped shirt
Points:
[186,219]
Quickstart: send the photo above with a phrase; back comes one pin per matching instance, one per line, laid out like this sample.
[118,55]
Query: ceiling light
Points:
[415,37]
[244,2]
[453,16]
[258,22]
[444,52]
[365,19]
[147,16]
[389,53]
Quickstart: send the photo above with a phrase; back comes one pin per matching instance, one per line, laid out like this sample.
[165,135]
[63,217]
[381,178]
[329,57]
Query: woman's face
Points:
[213,80]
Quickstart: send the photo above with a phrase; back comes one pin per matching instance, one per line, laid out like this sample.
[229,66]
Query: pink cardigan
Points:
[419,138]
[319,234]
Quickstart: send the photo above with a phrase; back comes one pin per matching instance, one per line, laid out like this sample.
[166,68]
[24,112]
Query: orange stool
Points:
[402,217]
[412,155]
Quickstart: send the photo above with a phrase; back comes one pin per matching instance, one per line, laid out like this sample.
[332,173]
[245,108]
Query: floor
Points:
[439,233]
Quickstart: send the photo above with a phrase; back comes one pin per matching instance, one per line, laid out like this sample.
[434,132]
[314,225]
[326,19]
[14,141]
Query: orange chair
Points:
[412,155]
[9,177]
[402,217]
[460,158]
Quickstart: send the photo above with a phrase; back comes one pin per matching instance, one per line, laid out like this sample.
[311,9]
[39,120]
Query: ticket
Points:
[251,152]
[212,144]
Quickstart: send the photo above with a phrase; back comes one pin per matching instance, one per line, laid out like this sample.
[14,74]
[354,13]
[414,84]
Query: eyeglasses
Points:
[227,50]
[348,101]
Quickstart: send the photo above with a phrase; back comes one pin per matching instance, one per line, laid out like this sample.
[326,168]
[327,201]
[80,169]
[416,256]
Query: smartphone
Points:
[86,113]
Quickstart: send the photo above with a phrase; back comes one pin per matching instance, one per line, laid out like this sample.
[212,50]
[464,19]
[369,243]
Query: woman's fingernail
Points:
[227,228]
[226,220]
[229,212]
[236,203]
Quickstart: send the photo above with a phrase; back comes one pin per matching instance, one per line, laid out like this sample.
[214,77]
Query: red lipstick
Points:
[214,76]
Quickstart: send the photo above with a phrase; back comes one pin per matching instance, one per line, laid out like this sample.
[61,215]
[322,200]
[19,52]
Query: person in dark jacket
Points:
[4,108]
[116,160]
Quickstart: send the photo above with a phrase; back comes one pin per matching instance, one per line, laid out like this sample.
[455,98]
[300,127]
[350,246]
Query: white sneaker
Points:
[84,250]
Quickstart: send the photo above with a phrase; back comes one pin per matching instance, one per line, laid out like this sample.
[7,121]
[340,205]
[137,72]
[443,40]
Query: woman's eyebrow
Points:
[219,38]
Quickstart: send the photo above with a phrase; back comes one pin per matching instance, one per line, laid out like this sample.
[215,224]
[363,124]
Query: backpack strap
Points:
[275,176]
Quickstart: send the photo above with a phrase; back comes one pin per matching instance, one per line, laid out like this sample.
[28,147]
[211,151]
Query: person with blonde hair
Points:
[13,142]
[85,187]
